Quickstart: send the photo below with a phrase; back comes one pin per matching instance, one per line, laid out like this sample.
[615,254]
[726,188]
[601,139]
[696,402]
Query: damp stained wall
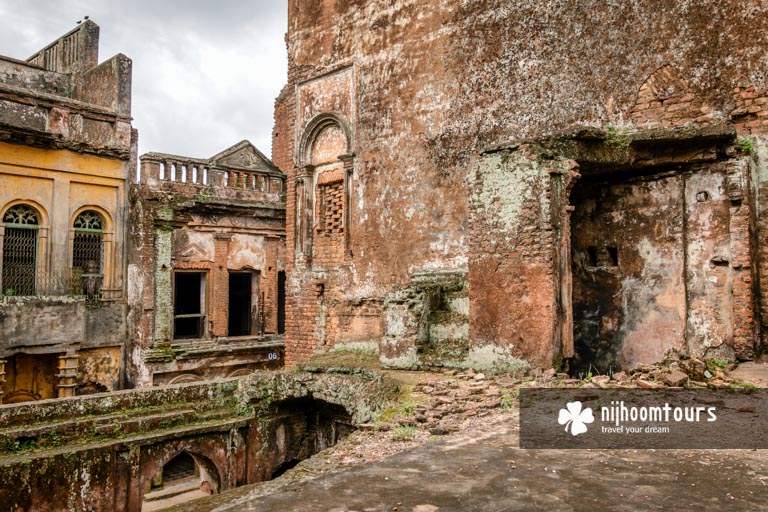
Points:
[424,87]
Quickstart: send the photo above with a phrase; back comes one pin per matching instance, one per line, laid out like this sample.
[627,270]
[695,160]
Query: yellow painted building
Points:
[66,150]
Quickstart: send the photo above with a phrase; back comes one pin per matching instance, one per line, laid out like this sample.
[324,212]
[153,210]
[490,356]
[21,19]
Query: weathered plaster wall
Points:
[629,307]
[431,84]
[35,331]
[38,321]
[518,216]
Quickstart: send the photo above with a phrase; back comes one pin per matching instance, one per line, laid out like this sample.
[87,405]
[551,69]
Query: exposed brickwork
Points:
[331,218]
[750,115]
[220,286]
[435,83]
[215,217]
[329,235]
[744,250]
[665,99]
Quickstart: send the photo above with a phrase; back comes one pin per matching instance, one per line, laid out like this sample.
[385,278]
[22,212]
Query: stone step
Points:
[215,414]
[169,491]
[59,432]
[185,497]
[440,332]
[61,429]
[157,421]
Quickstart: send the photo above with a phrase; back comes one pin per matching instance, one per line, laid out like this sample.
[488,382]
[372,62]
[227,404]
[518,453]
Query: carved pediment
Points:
[244,155]
[192,251]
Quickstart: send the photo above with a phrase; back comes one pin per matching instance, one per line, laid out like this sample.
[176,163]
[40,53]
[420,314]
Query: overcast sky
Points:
[205,72]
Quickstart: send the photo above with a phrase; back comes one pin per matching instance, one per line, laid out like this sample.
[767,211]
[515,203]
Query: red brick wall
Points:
[750,115]
[514,275]
[665,99]
[437,82]
[220,287]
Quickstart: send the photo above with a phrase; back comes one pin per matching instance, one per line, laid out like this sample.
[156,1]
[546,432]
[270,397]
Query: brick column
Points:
[220,289]
[304,212]
[163,284]
[349,169]
[2,378]
[746,329]
[268,285]
[68,364]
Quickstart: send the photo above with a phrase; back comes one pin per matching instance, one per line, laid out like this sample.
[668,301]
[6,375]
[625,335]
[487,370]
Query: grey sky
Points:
[205,73]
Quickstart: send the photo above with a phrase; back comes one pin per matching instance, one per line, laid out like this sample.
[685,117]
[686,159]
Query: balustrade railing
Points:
[31,280]
[199,172]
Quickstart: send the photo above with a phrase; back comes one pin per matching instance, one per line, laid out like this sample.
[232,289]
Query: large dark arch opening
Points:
[303,427]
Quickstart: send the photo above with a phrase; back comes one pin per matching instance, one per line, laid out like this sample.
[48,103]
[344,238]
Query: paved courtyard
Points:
[481,469]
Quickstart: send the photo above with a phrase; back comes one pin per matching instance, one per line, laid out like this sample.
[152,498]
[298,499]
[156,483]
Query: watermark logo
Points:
[643,418]
[575,419]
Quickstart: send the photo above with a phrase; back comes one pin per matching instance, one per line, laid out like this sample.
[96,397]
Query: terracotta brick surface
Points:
[425,87]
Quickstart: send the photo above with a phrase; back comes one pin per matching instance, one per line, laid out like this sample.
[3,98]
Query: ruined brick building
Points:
[564,183]
[66,151]
[497,184]
[116,278]
[207,271]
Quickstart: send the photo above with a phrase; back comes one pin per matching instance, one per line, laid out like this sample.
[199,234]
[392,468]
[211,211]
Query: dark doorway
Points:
[188,307]
[281,302]
[240,293]
[628,264]
[180,467]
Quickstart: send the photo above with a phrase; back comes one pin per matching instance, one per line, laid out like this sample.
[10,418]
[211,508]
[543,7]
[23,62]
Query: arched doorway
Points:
[185,477]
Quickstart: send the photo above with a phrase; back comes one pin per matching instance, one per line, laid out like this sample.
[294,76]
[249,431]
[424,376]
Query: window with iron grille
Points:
[20,250]
[87,244]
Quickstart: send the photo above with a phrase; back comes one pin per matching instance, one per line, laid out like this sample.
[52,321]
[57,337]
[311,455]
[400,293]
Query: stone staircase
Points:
[50,424]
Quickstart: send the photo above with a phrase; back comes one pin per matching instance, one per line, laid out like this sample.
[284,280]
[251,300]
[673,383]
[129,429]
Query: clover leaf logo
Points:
[575,419]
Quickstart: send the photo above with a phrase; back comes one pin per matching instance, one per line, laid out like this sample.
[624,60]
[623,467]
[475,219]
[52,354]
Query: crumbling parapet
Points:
[242,172]
[363,395]
[70,101]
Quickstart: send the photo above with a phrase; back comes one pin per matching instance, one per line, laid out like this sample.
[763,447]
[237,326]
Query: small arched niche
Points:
[329,144]
[326,138]
[185,477]
[323,190]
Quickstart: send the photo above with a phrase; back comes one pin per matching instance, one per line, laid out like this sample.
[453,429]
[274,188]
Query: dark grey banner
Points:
[638,418]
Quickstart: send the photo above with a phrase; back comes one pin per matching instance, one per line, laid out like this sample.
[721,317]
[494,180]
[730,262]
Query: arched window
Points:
[22,224]
[87,245]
